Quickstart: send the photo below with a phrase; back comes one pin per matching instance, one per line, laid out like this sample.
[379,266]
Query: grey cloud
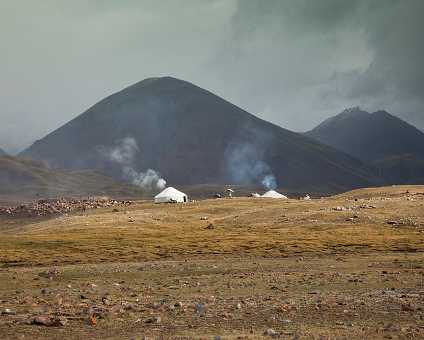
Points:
[342,53]
[291,62]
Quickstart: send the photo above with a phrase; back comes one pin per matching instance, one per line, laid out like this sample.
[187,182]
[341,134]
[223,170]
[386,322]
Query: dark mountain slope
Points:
[2,153]
[380,139]
[192,136]
[25,179]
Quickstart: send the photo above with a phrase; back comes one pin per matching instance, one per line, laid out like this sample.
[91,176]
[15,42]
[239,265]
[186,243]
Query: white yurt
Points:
[273,194]
[171,195]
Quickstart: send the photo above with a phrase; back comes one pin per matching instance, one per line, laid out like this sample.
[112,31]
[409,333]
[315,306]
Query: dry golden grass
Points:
[242,226]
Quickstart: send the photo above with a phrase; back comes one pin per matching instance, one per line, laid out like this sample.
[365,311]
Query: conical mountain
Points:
[191,136]
[380,139]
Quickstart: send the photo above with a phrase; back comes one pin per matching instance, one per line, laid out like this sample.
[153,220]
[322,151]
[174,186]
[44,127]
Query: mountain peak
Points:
[353,109]
[353,112]
[191,136]
[345,115]
[380,139]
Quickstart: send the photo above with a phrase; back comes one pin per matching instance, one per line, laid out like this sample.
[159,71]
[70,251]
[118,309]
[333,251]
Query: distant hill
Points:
[380,139]
[27,179]
[191,136]
[2,153]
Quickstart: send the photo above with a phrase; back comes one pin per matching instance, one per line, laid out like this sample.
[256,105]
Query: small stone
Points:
[200,308]
[106,301]
[8,311]
[407,308]
[92,320]
[156,320]
[48,321]
[131,307]
[271,332]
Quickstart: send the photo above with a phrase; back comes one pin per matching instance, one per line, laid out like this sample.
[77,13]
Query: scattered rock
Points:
[48,321]
[271,332]
[407,308]
[106,301]
[45,291]
[200,308]
[50,273]
[92,320]
[8,311]
[48,207]
[155,320]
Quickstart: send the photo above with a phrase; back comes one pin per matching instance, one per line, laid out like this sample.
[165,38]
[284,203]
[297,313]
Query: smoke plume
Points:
[246,165]
[269,182]
[124,154]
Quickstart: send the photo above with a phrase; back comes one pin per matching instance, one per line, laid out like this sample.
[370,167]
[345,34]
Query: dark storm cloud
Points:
[313,58]
[291,62]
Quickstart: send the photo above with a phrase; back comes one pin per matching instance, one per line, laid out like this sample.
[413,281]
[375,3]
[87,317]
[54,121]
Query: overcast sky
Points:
[294,63]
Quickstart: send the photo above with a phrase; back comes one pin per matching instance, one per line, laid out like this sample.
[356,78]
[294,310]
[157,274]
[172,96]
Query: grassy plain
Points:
[347,266]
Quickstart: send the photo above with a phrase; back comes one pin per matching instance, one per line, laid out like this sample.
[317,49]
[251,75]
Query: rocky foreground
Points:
[59,206]
[332,297]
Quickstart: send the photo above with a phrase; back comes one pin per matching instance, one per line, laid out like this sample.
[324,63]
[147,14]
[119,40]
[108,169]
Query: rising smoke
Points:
[124,154]
[246,165]
[269,182]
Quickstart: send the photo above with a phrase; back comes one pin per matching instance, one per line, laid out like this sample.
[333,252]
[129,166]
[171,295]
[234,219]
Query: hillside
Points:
[28,179]
[2,153]
[191,136]
[380,139]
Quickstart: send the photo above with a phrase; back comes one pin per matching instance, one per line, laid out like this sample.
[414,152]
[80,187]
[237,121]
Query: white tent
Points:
[273,194]
[171,195]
